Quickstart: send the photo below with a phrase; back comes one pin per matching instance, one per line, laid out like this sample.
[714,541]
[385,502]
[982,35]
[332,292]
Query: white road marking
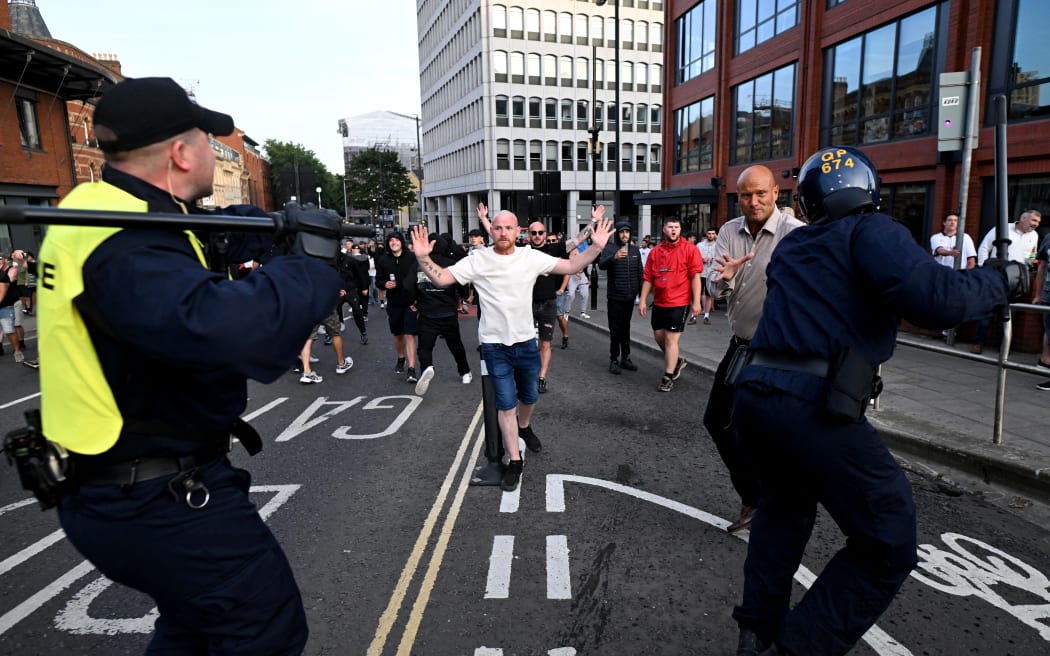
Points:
[876,638]
[559,584]
[501,560]
[25,554]
[24,609]
[17,401]
[488,651]
[16,505]
[562,651]
[303,423]
[266,408]
[343,432]
[75,618]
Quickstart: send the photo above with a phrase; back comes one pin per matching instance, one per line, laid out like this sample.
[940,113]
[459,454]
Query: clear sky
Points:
[285,70]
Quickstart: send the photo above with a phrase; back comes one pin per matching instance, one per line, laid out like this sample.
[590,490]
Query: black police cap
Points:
[143,111]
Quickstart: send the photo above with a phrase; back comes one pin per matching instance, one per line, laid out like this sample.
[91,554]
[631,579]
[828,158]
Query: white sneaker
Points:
[314,358]
[20,357]
[310,378]
[341,369]
[584,315]
[467,377]
[424,381]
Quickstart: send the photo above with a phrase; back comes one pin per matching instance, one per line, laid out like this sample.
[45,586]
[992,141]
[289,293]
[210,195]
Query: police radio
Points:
[42,465]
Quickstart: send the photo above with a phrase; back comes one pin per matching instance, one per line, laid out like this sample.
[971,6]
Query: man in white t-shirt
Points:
[503,277]
[943,245]
[1023,242]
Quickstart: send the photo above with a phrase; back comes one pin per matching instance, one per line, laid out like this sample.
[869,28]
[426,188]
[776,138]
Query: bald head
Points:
[537,233]
[757,190]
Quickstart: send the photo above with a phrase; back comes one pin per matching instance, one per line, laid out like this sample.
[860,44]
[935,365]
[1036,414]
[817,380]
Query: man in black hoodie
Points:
[438,315]
[623,261]
[396,274]
[353,269]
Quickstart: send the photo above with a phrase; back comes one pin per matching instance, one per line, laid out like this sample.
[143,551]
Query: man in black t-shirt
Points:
[545,298]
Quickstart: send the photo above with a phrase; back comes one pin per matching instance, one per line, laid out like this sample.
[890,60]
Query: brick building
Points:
[751,81]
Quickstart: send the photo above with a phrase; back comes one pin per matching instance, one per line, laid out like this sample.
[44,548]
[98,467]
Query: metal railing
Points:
[1001,362]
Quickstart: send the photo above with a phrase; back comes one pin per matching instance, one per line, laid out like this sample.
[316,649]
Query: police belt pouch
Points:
[741,358]
[852,383]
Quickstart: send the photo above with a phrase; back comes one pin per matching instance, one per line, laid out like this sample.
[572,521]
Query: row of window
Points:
[538,155]
[456,125]
[510,112]
[519,68]
[564,27]
[461,161]
[451,53]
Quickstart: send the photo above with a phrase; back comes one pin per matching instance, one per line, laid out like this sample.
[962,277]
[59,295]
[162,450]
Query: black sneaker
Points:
[543,385]
[364,339]
[614,367]
[400,368]
[666,383]
[531,441]
[1043,386]
[627,365]
[411,377]
[512,475]
[678,368]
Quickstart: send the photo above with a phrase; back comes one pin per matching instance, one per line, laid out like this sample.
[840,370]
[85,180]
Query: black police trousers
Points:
[805,458]
[718,420]
[221,582]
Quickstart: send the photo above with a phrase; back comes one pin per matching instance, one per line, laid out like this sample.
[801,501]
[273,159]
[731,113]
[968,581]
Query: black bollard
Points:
[490,473]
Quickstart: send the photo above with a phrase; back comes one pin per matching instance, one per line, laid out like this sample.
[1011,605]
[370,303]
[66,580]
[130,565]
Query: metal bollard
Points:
[490,473]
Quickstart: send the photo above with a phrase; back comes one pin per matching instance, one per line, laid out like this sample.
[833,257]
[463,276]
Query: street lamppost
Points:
[318,190]
[616,99]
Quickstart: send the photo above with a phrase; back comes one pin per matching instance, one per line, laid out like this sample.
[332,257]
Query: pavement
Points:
[935,407]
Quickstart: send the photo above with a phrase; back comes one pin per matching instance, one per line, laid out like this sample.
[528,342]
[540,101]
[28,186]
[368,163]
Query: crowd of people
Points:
[158,374]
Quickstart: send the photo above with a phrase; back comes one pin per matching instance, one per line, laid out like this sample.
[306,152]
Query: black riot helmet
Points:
[835,182]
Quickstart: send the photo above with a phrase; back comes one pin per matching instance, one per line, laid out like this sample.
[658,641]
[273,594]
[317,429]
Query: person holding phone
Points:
[622,261]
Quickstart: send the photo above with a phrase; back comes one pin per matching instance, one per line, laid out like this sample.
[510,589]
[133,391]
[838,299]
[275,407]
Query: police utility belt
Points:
[852,381]
[48,471]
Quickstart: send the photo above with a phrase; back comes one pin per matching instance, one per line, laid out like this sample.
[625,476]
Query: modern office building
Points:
[510,88]
[756,81]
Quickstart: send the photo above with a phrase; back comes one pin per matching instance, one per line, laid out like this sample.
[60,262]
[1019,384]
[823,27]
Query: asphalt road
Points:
[612,546]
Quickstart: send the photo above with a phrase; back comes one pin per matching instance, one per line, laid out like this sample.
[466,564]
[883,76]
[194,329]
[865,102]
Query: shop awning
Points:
[679,196]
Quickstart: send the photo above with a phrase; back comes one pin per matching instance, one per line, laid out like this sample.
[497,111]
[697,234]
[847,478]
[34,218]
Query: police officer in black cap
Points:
[836,291]
[146,355]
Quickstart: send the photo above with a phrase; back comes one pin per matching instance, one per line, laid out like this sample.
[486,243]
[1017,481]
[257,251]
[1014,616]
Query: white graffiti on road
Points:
[963,573]
[306,420]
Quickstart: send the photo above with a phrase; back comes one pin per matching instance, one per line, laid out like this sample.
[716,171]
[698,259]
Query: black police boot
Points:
[750,644]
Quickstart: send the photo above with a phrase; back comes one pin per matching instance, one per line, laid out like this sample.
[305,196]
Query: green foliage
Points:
[283,154]
[377,180]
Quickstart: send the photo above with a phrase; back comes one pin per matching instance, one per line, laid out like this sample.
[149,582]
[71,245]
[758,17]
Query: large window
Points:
[694,135]
[499,65]
[765,116]
[880,83]
[759,21]
[695,41]
[1028,72]
[910,204]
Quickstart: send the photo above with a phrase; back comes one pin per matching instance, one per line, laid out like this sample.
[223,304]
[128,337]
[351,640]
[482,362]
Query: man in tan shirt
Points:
[744,247]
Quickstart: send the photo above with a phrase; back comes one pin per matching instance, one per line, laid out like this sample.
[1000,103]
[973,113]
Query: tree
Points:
[296,171]
[377,180]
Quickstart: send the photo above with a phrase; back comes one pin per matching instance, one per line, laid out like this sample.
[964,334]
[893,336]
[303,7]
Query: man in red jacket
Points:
[672,274]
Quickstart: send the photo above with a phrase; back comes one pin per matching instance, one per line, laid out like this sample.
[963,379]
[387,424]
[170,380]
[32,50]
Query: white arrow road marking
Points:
[30,551]
[876,638]
[24,609]
[16,505]
[266,408]
[497,586]
[558,583]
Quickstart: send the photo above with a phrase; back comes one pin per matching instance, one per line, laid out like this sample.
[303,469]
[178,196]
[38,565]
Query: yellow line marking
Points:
[414,620]
[389,616]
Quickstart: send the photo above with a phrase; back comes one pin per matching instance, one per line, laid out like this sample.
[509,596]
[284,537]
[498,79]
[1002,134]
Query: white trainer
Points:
[424,381]
[467,377]
[347,364]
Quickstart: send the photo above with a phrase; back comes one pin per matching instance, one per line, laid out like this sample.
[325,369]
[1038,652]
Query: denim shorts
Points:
[514,371]
[7,319]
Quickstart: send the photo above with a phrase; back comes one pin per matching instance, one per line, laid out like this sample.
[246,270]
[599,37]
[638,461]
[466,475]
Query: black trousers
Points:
[718,419]
[447,327]
[353,299]
[619,328]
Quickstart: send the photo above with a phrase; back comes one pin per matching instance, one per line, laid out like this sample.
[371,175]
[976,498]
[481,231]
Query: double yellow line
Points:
[397,599]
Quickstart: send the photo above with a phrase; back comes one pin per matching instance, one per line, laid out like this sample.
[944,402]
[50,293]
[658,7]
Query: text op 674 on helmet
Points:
[835,182]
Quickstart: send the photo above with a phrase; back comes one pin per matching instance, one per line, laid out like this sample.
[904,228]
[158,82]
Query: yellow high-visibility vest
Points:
[77,406]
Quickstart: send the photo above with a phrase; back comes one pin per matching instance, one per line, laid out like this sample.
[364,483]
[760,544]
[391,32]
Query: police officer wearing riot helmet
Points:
[146,359]
[836,291]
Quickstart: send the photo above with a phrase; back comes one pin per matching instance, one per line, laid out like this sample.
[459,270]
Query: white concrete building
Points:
[507,89]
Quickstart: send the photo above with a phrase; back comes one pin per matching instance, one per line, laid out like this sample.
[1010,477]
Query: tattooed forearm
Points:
[580,237]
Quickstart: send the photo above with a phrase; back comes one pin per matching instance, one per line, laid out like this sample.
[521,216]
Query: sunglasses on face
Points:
[552,241]
[537,232]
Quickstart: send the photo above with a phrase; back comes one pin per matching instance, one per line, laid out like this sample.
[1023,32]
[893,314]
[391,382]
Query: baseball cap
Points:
[143,111]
